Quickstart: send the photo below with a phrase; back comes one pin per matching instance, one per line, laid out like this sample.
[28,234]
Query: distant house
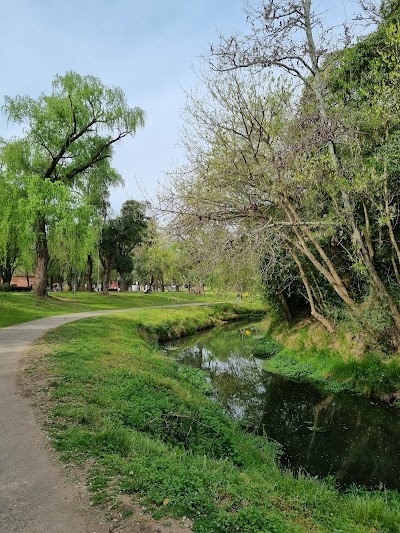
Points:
[23,282]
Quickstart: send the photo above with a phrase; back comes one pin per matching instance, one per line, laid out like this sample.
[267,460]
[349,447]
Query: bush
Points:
[373,325]
[266,347]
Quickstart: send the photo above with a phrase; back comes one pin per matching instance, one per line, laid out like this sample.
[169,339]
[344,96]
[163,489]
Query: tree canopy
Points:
[120,236]
[62,164]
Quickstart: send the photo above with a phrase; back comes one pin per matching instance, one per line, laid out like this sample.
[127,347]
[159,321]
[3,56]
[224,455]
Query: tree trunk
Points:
[7,274]
[324,321]
[395,270]
[61,279]
[285,305]
[8,268]
[123,283]
[335,281]
[42,260]
[328,271]
[367,234]
[89,273]
[106,278]
[71,281]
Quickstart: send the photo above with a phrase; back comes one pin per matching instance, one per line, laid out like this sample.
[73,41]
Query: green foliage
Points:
[298,192]
[370,374]
[195,377]
[119,237]
[310,364]
[266,347]
[61,168]
[373,324]
[160,259]
[130,228]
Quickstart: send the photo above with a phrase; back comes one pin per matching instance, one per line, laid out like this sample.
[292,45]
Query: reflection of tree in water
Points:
[325,434]
[342,435]
[195,356]
[237,381]
[224,341]
[239,388]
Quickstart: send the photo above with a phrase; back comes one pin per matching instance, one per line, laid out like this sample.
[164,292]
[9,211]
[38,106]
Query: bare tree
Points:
[290,36]
[242,175]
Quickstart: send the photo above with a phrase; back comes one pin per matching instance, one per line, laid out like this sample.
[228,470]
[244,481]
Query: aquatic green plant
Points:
[266,347]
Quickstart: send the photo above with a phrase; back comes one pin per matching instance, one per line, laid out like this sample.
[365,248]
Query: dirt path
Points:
[35,493]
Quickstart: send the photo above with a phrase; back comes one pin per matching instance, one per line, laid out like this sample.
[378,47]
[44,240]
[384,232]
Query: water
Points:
[349,437]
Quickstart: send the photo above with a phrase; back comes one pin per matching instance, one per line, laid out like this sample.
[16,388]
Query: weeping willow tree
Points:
[73,238]
[10,234]
[63,161]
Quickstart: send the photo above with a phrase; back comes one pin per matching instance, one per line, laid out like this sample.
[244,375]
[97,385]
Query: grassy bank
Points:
[16,308]
[309,353]
[143,427]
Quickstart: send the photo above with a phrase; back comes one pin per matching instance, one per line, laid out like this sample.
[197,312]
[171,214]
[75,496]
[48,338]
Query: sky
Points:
[148,48]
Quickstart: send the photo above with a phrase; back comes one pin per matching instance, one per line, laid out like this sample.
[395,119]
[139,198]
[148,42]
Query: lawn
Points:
[16,308]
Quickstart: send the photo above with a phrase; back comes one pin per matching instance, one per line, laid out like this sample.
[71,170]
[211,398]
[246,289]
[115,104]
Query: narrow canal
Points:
[349,437]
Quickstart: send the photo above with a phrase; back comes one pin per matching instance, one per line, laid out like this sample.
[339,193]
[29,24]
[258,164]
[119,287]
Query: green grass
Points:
[306,353]
[307,364]
[370,374]
[143,426]
[16,308]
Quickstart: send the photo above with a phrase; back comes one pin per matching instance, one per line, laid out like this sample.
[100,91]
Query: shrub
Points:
[266,347]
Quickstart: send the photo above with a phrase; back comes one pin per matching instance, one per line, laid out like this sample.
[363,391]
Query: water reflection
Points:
[349,437]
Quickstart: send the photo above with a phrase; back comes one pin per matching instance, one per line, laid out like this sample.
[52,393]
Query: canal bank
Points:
[338,361]
[328,434]
[145,430]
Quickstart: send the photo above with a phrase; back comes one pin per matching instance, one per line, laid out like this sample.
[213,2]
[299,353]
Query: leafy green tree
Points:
[244,184]
[99,199]
[70,135]
[9,250]
[119,238]
[162,259]
[108,251]
[131,225]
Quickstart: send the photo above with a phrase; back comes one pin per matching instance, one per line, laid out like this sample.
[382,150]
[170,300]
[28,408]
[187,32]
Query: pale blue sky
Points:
[147,48]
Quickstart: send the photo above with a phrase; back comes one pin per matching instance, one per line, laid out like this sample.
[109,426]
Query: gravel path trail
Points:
[35,494]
